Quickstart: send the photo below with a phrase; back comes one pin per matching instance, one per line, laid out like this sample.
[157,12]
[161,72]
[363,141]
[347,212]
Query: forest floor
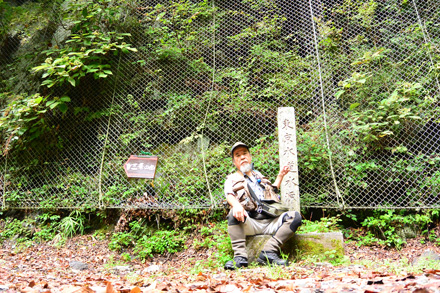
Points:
[48,268]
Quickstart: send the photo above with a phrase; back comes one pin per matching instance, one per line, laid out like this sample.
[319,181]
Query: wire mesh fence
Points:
[87,84]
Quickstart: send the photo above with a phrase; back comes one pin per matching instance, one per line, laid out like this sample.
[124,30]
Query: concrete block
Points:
[299,244]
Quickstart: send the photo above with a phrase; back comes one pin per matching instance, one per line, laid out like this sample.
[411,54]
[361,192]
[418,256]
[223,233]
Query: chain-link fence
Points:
[190,78]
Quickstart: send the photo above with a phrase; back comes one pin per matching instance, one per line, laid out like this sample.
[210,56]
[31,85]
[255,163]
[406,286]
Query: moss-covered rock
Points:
[300,245]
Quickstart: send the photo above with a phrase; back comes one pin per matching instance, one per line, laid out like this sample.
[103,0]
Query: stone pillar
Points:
[288,157]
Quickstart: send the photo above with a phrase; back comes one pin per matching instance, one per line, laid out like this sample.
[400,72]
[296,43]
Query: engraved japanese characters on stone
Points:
[288,156]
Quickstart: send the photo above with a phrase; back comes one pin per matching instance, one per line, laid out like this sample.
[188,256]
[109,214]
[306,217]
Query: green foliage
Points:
[182,41]
[69,65]
[331,36]
[217,236]
[389,116]
[14,228]
[314,158]
[382,98]
[431,183]
[63,193]
[72,224]
[379,107]
[23,118]
[331,256]
[431,236]
[25,23]
[314,154]
[324,225]
[126,257]
[121,240]
[46,226]
[386,227]
[158,243]
[5,13]
[214,237]
[87,49]
[192,183]
[265,156]
[24,19]
[145,241]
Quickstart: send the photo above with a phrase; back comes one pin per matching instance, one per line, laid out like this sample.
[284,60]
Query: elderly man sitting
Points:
[245,220]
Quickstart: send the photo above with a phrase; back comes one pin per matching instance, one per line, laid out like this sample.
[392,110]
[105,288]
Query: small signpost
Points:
[141,167]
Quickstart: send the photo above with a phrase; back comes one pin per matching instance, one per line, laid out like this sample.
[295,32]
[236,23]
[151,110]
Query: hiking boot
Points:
[237,263]
[270,257]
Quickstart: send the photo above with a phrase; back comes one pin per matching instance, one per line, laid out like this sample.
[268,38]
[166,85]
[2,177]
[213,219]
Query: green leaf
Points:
[77,110]
[53,105]
[353,106]
[339,93]
[65,99]
[71,81]
[38,68]
[38,100]
[160,16]
[48,82]
[62,107]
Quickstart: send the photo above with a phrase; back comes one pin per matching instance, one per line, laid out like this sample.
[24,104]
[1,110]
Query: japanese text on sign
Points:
[141,167]
[288,156]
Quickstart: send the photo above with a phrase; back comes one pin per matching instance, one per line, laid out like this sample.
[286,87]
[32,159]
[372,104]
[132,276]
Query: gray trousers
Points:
[281,229]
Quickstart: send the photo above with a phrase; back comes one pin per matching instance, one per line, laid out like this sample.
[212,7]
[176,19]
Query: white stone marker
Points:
[288,157]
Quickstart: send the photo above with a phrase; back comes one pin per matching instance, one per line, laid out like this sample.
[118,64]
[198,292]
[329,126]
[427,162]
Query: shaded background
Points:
[361,75]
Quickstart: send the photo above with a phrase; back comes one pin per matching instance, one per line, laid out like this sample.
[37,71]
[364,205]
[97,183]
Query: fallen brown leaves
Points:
[44,268]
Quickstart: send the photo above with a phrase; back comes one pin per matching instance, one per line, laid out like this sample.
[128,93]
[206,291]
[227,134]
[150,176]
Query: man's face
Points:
[241,157]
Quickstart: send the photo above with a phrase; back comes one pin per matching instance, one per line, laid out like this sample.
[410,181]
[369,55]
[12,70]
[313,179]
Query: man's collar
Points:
[245,175]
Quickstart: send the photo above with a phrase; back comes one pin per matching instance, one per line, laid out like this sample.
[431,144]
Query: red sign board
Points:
[141,167]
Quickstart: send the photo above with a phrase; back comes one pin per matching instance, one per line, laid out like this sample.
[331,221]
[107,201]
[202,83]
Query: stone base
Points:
[299,244]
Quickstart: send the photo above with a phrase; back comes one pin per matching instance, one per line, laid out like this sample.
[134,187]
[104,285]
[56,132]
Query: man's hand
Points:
[284,171]
[239,213]
[237,209]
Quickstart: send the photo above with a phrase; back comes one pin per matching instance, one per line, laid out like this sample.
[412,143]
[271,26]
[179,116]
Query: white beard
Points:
[246,168]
